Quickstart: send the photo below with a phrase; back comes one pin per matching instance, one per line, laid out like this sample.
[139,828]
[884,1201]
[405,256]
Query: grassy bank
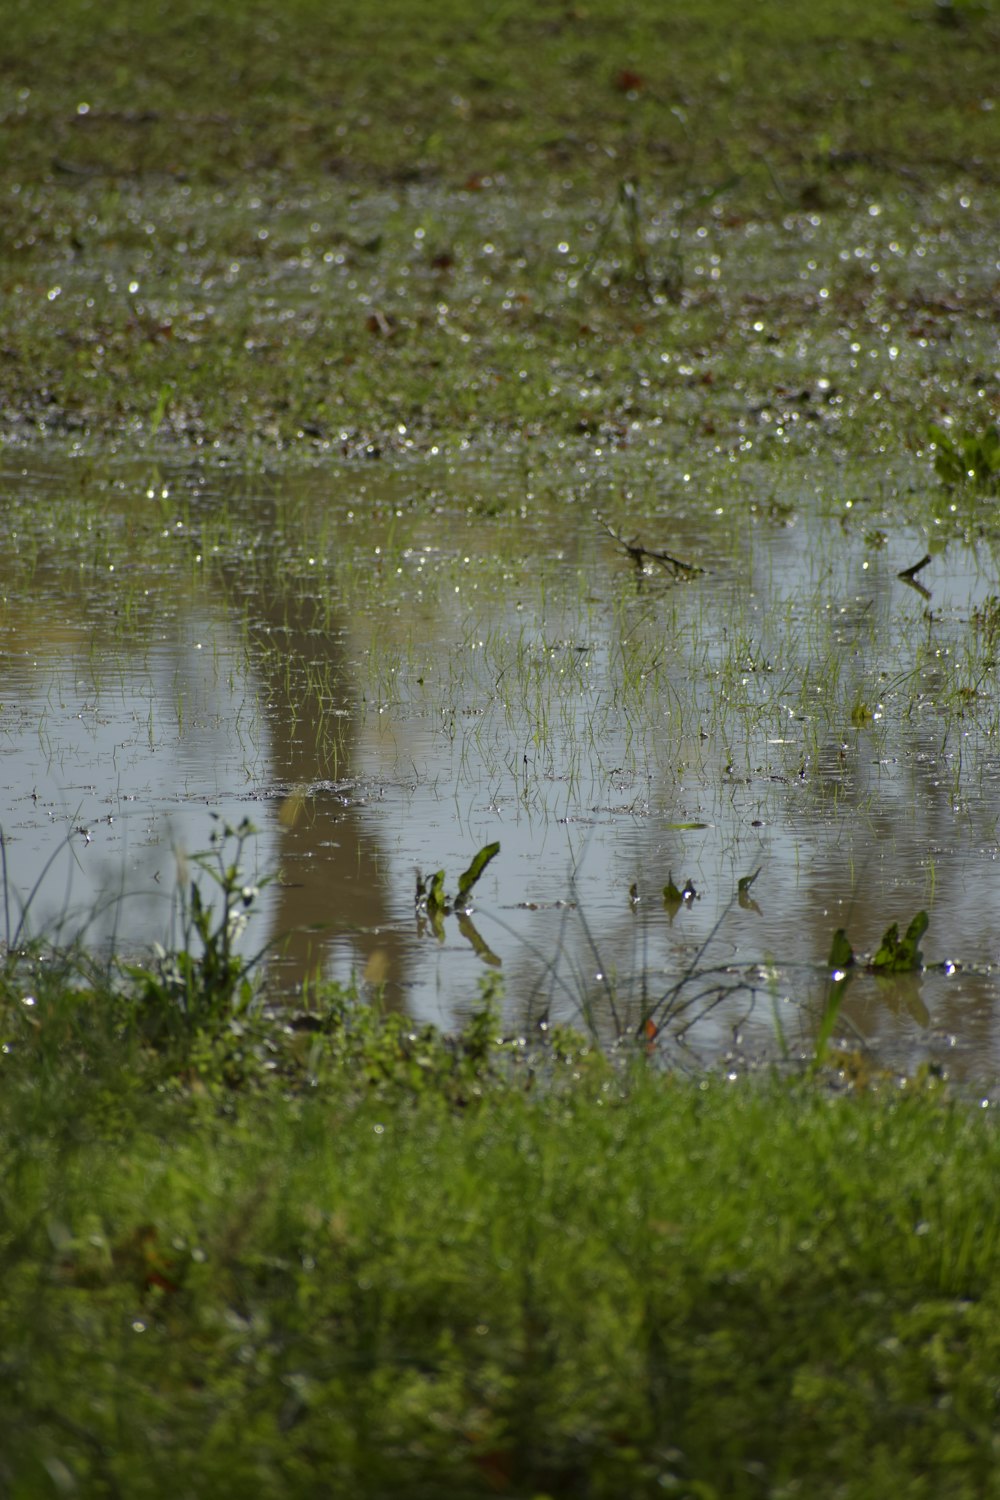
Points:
[246,1256]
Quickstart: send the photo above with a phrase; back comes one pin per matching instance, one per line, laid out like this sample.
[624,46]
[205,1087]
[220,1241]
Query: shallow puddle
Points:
[388,668]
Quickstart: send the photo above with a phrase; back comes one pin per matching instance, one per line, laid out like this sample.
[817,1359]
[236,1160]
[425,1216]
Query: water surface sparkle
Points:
[387,671]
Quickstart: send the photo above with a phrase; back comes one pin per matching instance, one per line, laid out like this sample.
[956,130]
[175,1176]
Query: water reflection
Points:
[331,899]
[387,680]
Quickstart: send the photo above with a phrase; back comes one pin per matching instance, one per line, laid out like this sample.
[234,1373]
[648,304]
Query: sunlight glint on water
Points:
[387,674]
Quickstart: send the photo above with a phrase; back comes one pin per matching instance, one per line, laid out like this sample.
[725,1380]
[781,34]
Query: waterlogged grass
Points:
[429,228]
[243,1256]
[388,638]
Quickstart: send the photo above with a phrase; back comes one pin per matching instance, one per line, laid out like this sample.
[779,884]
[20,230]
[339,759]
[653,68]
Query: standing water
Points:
[695,777]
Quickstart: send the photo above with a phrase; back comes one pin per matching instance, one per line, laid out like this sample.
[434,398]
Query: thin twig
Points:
[640,554]
[909,575]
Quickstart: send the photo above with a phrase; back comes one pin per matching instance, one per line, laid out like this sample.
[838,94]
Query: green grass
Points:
[348,1256]
[410,226]
[248,1253]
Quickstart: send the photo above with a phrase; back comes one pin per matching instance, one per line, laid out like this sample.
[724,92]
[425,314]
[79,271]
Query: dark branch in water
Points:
[640,555]
[909,575]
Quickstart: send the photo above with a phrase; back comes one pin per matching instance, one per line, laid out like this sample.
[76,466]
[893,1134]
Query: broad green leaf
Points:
[909,948]
[673,896]
[468,879]
[888,949]
[834,1000]
[436,899]
[841,961]
[435,916]
[841,952]
[901,956]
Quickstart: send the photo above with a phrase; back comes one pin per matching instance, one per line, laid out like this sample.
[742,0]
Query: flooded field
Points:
[499,748]
[388,668]
[573,431]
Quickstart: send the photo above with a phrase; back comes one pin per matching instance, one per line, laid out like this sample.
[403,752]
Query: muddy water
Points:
[386,669]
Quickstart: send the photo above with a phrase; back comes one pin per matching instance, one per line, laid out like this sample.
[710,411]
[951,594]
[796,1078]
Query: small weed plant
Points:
[203,978]
[968,458]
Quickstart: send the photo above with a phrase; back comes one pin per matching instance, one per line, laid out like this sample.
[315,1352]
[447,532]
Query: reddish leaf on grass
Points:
[163,1283]
[137,1256]
[496,1467]
[627,81]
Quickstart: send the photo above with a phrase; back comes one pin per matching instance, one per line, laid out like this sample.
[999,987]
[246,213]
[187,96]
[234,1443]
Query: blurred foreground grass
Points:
[344,1256]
